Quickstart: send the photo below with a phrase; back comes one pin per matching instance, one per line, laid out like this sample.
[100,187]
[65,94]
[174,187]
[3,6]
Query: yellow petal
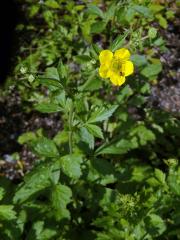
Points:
[105,57]
[127,68]
[103,71]
[117,80]
[122,54]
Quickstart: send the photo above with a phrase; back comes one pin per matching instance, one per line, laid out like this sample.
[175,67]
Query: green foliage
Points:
[101,114]
[46,147]
[111,172]
[152,70]
[71,165]
[118,42]
[7,212]
[60,197]
[35,182]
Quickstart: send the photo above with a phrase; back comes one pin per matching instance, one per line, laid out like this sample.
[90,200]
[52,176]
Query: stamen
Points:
[121,74]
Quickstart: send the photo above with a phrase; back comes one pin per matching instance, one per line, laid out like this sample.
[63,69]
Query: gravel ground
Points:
[166,94]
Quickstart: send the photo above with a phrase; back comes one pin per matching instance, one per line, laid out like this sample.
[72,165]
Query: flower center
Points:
[115,65]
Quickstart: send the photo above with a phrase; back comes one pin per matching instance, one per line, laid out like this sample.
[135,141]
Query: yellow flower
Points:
[115,66]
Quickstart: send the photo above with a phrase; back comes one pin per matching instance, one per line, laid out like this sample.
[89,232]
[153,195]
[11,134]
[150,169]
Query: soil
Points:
[14,121]
[166,94]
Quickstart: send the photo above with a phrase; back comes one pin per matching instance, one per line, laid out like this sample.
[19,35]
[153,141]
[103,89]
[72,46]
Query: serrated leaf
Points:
[92,84]
[94,51]
[83,58]
[51,79]
[162,21]
[110,12]
[140,135]
[27,137]
[130,14]
[94,130]
[48,107]
[62,73]
[101,171]
[98,27]
[159,42]
[102,114]
[145,88]
[155,225]
[144,135]
[7,213]
[139,173]
[51,73]
[40,232]
[125,93]
[143,10]
[60,197]
[32,187]
[152,70]
[109,196]
[155,8]
[87,137]
[120,147]
[71,165]
[52,4]
[160,176]
[34,10]
[48,17]
[139,60]
[92,9]
[49,82]
[36,181]
[59,98]
[118,42]
[46,148]
[61,137]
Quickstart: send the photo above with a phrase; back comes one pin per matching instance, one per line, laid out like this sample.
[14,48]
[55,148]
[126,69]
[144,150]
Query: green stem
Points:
[70,120]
